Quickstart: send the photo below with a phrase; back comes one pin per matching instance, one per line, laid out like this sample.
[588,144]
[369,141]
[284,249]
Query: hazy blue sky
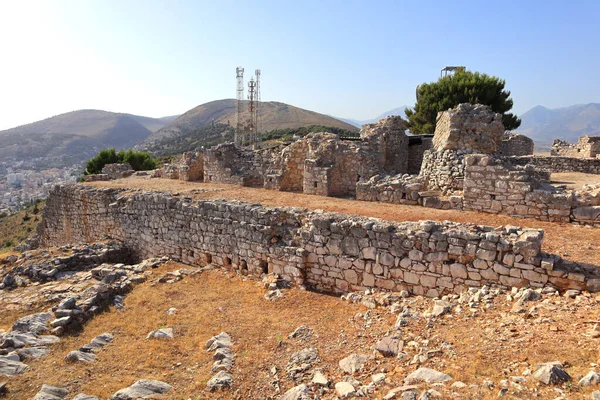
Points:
[352,59]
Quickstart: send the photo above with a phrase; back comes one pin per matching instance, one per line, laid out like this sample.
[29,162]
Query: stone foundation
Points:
[586,147]
[325,251]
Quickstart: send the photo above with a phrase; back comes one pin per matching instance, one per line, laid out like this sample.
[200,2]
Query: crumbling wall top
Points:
[471,127]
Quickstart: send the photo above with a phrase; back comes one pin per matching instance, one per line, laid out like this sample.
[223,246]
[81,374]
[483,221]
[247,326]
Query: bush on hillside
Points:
[139,160]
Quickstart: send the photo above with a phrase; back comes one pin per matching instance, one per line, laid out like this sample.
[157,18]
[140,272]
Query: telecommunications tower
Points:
[239,74]
[246,133]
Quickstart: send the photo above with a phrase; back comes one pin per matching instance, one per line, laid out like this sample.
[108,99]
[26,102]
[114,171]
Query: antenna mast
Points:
[239,131]
[252,110]
[257,116]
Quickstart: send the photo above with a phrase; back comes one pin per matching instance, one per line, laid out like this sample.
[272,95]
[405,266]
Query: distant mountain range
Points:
[544,125]
[76,136]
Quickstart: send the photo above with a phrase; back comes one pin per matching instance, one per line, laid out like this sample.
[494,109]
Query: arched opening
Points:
[264,267]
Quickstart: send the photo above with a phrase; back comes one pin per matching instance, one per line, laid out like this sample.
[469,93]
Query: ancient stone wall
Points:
[586,147]
[515,145]
[470,127]
[227,163]
[463,130]
[117,170]
[319,163]
[188,167]
[491,185]
[388,141]
[417,145]
[558,163]
[324,251]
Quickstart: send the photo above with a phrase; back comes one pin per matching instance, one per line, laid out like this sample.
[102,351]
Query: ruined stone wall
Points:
[515,145]
[227,163]
[188,167]
[444,171]
[325,251]
[493,186]
[117,170]
[558,163]
[388,141]
[399,189]
[586,147]
[417,145]
[470,127]
[463,130]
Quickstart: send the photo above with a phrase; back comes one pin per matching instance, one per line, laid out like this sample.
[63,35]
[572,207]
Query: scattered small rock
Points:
[427,375]
[142,389]
[353,363]
[162,333]
[221,380]
[551,373]
[48,392]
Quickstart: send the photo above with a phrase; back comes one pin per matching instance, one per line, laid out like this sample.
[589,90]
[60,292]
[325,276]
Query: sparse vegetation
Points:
[452,90]
[139,160]
[16,228]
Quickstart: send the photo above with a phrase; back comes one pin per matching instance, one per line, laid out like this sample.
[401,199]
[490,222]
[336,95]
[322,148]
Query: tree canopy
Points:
[139,160]
[452,90]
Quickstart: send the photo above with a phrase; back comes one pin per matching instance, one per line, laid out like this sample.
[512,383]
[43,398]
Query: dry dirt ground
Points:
[572,242]
[481,347]
[574,180]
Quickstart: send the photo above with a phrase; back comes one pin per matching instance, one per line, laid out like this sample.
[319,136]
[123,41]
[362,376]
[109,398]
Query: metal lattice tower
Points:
[257,114]
[239,131]
[251,136]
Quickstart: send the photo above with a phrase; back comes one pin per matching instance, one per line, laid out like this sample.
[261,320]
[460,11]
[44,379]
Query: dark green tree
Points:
[95,165]
[139,160]
[452,90]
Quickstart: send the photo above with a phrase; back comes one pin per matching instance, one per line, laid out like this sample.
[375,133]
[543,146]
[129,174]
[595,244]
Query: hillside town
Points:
[20,186]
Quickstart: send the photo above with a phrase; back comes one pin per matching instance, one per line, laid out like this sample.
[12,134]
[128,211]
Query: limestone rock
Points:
[10,367]
[353,363]
[344,390]
[592,378]
[142,389]
[33,352]
[427,375]
[389,346]
[163,333]
[48,392]
[221,340]
[320,379]
[440,307]
[299,392]
[97,343]
[81,356]
[35,323]
[551,373]
[82,396]
[221,380]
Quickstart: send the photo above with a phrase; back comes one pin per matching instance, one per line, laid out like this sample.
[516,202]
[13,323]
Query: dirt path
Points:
[576,243]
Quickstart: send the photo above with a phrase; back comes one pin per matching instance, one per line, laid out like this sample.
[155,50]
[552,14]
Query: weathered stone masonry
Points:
[325,251]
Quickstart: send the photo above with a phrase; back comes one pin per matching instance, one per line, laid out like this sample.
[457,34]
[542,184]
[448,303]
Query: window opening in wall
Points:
[403,196]
[315,183]
[227,261]
[493,196]
[264,267]
[208,258]
[191,253]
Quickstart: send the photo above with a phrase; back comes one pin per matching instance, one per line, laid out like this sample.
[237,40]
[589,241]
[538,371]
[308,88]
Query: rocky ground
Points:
[85,322]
